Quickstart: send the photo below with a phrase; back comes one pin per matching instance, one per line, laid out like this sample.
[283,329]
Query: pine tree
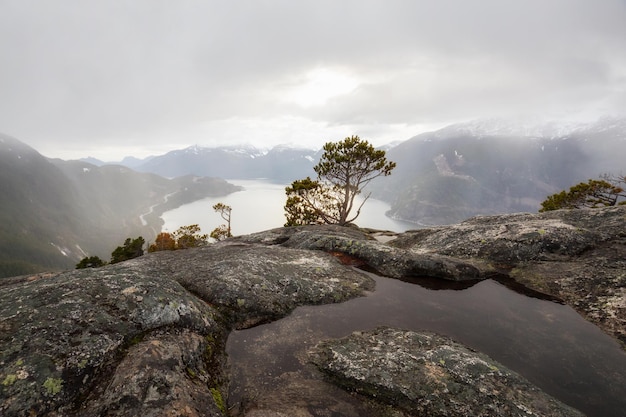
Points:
[344,169]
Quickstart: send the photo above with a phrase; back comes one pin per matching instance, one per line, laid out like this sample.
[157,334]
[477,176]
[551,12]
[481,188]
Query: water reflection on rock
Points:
[546,342]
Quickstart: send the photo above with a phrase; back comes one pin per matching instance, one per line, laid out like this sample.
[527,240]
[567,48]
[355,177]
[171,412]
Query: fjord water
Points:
[546,342]
[260,207]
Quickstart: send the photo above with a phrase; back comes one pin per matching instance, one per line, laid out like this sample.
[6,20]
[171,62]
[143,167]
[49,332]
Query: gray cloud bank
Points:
[110,77]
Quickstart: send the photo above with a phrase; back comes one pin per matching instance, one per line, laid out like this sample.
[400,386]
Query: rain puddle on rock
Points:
[546,342]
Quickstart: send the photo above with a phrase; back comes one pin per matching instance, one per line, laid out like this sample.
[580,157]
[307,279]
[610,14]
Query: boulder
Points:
[430,375]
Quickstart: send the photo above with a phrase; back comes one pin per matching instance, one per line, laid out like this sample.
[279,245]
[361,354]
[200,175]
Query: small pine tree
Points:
[163,241]
[90,262]
[189,237]
[344,169]
[222,231]
[309,202]
[590,194]
[132,248]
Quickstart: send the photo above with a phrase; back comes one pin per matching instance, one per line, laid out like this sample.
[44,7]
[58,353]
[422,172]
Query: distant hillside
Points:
[442,177]
[35,199]
[54,212]
[446,176]
[280,164]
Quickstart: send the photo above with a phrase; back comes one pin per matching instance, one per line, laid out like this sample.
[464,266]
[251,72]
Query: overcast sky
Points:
[109,78]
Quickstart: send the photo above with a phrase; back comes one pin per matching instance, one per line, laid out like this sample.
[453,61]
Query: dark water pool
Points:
[548,343]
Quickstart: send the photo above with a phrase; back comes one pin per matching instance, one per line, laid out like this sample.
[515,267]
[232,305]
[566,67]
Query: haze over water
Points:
[548,343]
[260,207]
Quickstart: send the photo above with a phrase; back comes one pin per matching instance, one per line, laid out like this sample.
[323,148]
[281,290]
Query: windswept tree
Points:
[222,231]
[344,169]
[90,262]
[618,181]
[310,202]
[189,237]
[132,248]
[163,241]
[184,237]
[590,194]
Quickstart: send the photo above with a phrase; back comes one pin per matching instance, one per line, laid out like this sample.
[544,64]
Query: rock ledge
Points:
[430,375]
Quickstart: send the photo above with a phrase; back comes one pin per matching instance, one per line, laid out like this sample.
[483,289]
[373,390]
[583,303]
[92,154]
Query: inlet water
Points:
[260,207]
[546,342]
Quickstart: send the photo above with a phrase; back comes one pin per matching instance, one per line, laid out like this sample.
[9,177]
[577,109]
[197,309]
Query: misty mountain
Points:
[132,162]
[129,161]
[280,164]
[490,167]
[486,166]
[55,212]
[93,161]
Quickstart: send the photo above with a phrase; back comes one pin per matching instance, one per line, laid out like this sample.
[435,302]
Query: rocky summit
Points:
[147,336]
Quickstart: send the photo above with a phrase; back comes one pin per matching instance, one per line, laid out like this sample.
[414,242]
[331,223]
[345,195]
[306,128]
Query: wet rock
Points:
[146,337]
[429,375]
[62,335]
[385,259]
[165,373]
[509,239]
[577,256]
[253,284]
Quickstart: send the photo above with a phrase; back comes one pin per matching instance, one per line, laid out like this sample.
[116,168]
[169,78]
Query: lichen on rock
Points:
[428,374]
[577,256]
[146,336]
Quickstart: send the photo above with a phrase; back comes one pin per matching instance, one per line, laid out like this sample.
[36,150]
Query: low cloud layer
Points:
[112,78]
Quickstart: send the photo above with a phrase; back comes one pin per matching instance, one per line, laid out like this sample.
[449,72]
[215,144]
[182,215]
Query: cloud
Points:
[156,74]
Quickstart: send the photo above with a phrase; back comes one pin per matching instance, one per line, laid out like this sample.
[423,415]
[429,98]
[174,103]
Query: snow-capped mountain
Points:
[479,167]
[496,166]
[281,163]
[532,128]
[607,128]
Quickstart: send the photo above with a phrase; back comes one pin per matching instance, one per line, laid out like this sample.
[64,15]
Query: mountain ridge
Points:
[55,212]
[442,177]
[484,166]
[449,175]
[280,163]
